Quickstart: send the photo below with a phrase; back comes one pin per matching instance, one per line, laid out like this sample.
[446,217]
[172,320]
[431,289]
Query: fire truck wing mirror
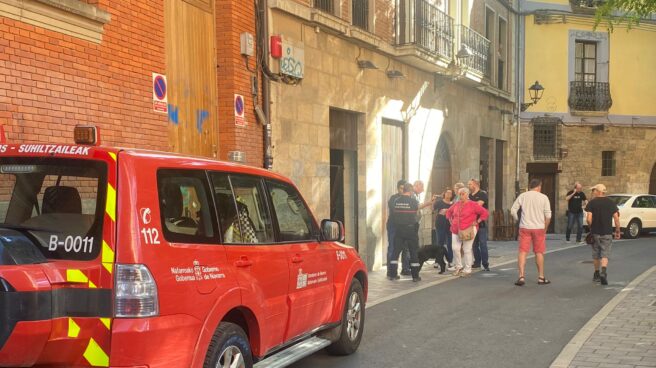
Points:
[332,230]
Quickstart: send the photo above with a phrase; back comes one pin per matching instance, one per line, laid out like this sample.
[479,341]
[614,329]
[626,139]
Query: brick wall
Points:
[384,17]
[233,18]
[50,81]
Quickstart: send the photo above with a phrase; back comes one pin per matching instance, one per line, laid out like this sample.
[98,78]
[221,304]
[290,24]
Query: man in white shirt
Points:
[536,216]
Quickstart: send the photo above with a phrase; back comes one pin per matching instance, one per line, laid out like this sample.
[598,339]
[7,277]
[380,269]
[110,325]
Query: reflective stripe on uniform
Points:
[414,264]
[394,262]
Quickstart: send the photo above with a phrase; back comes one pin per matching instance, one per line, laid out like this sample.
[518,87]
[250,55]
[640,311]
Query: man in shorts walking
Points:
[601,211]
[536,215]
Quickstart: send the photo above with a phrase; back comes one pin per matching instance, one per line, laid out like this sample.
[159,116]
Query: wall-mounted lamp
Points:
[464,52]
[366,64]
[394,74]
[458,66]
[535,92]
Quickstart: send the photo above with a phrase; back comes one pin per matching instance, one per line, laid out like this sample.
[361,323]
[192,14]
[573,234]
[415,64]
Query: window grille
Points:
[360,11]
[325,5]
[545,141]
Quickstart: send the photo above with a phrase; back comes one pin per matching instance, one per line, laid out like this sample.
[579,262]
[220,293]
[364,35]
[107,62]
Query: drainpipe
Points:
[263,33]
[519,85]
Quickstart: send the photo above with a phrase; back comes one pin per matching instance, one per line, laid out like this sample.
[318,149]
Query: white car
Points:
[637,213]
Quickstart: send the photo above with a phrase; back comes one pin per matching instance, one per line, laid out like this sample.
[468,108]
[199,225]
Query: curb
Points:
[570,350]
[437,282]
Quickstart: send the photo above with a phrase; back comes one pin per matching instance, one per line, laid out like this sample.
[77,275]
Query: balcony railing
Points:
[326,5]
[423,24]
[589,96]
[479,46]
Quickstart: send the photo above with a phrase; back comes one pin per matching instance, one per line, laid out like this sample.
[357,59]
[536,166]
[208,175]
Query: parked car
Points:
[131,258]
[637,213]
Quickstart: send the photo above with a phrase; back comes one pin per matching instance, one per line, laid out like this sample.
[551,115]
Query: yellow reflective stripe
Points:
[112,155]
[106,321]
[107,257]
[73,328]
[92,285]
[110,207]
[76,276]
[95,355]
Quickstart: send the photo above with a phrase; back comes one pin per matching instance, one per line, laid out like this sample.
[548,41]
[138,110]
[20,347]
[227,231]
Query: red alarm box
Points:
[276,46]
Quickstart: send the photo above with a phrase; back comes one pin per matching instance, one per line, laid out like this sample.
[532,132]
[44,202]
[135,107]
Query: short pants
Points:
[601,246]
[535,236]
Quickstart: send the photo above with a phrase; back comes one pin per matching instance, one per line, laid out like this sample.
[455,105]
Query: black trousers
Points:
[405,238]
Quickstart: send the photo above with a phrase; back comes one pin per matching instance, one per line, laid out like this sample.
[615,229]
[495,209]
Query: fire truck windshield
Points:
[59,202]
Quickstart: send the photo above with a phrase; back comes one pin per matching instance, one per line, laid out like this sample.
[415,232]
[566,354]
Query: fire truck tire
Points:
[229,347]
[352,322]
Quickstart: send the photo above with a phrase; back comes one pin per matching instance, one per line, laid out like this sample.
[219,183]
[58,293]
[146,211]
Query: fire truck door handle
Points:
[297,259]
[244,262]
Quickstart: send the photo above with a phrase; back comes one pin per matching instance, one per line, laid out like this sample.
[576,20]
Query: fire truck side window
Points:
[294,220]
[184,207]
[243,211]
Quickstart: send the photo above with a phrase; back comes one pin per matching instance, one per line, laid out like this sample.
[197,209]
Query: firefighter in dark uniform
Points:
[404,219]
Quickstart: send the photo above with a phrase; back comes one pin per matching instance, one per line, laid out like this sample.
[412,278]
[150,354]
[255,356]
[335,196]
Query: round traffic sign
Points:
[159,86]
[239,105]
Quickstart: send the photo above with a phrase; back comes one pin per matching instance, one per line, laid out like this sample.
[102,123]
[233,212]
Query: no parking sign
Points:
[239,111]
[160,98]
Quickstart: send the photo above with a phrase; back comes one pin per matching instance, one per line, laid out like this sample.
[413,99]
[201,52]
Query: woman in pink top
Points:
[463,215]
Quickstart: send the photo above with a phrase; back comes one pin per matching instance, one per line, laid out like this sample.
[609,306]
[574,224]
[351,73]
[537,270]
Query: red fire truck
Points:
[130,258]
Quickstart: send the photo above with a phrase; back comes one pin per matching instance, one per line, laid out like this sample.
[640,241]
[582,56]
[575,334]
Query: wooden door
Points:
[191,75]
[441,174]
[549,189]
[392,157]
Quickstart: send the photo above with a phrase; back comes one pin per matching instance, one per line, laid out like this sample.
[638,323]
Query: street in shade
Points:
[486,321]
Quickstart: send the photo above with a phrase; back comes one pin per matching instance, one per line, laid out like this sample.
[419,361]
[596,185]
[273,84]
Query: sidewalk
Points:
[500,253]
[622,334]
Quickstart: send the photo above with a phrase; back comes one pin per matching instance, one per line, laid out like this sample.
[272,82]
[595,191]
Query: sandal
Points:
[520,281]
[543,281]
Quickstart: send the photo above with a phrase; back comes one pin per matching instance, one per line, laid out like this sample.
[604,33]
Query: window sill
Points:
[72,17]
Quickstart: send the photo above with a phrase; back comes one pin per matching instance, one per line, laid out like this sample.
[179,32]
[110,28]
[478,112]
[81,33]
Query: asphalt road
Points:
[487,321]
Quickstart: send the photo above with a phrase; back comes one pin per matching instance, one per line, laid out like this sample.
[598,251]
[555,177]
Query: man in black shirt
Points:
[576,200]
[405,257]
[404,221]
[601,212]
[480,242]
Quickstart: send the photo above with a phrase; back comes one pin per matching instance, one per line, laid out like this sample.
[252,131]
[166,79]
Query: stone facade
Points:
[429,107]
[584,145]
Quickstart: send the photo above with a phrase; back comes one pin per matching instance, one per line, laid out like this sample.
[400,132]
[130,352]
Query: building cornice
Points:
[72,17]
[633,121]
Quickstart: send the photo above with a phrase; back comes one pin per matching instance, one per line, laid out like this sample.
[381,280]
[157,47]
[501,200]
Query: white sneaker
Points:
[451,268]
[568,241]
[583,242]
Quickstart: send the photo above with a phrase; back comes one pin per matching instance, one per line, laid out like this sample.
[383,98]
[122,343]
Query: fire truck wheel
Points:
[352,322]
[229,347]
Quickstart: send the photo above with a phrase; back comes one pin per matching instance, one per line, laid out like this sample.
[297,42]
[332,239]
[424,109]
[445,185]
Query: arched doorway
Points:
[652,181]
[441,175]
